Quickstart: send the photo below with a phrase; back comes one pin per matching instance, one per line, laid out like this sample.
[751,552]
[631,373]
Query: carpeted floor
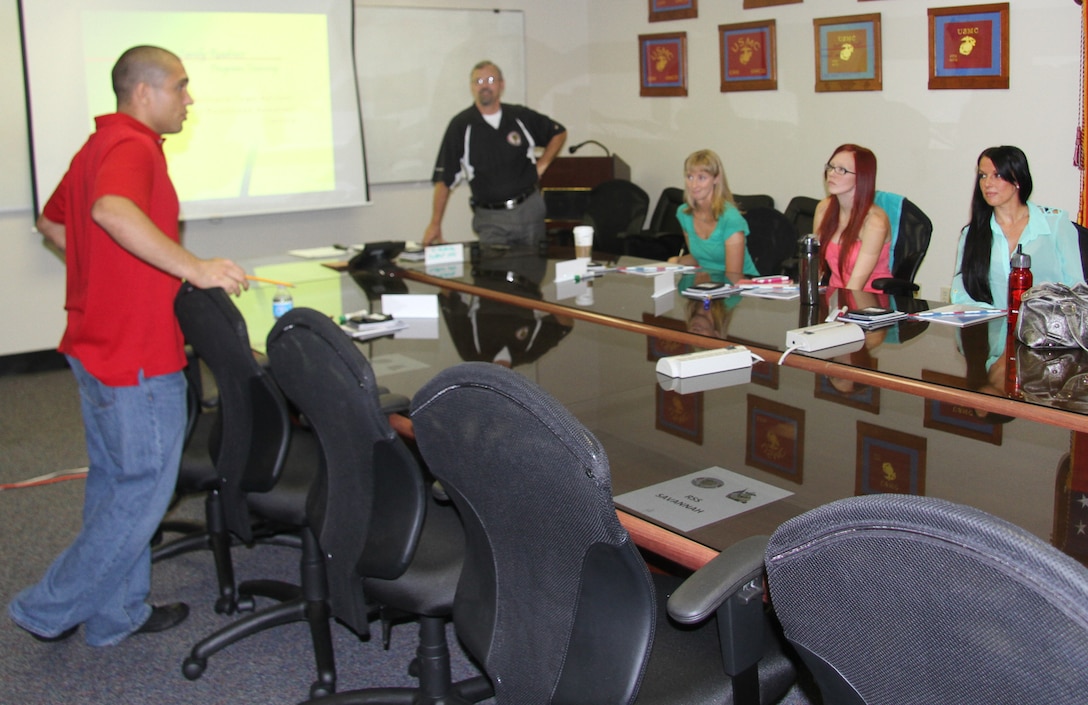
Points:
[40,431]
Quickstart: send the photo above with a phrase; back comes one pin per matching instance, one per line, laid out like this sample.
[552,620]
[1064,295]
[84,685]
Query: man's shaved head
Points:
[141,64]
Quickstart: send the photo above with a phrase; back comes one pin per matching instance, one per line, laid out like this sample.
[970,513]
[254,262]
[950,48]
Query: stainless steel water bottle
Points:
[810,270]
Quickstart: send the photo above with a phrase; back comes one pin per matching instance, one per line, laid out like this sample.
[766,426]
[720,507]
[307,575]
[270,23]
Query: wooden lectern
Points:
[568,181]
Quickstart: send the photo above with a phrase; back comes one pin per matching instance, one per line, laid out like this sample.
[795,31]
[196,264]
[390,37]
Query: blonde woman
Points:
[715,231]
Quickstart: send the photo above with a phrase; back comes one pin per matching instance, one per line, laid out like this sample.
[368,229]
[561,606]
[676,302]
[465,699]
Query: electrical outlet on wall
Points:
[946,294]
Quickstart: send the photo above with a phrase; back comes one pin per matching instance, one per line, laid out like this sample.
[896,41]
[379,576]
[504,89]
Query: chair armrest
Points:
[393,403]
[706,589]
[895,287]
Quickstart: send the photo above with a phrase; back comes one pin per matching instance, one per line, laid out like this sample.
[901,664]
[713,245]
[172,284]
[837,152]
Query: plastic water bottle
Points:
[282,301]
[1020,280]
[810,270]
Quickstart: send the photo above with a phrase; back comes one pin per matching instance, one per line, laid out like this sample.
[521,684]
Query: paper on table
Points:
[410,305]
[960,315]
[701,498]
[328,252]
[375,330]
[652,270]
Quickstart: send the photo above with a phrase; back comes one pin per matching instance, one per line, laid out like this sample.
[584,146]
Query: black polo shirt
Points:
[498,164]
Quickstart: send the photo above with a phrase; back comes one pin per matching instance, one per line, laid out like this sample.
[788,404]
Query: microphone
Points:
[576,147]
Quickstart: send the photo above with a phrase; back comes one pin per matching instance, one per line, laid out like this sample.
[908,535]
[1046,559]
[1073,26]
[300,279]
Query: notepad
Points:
[960,315]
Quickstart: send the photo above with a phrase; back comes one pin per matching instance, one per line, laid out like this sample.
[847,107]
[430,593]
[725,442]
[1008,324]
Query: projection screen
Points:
[275,126]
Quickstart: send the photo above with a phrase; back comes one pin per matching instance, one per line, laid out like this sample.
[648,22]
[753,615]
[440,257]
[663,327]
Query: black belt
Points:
[507,204]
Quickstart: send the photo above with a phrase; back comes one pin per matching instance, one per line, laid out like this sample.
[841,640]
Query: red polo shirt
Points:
[120,309]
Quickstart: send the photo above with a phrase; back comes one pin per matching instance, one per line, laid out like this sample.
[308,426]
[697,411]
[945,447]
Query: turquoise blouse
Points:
[1050,239]
[710,253]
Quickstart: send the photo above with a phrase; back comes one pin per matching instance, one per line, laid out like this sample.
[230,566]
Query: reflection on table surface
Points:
[806,433]
[918,356]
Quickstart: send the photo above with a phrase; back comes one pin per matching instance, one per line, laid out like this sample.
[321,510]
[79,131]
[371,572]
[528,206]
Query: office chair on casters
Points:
[615,208]
[554,599]
[663,236]
[911,233]
[381,538]
[904,599]
[772,241]
[1082,240]
[262,466]
[759,200]
[800,211]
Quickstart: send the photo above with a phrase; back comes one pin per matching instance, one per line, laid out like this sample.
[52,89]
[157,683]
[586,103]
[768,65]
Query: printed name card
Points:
[700,498]
[571,270]
[410,305]
[663,284]
[442,254]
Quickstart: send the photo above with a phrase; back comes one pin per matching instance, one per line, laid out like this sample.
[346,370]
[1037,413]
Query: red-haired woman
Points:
[854,233]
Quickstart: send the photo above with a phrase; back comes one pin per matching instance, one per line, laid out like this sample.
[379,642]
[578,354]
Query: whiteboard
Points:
[15,175]
[413,67]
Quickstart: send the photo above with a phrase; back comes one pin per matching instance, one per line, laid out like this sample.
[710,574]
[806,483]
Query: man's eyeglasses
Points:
[841,171]
[489,80]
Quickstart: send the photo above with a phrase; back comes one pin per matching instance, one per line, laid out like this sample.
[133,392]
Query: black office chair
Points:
[747,203]
[904,599]
[262,467]
[910,241]
[379,536]
[555,601]
[1082,238]
[615,208]
[800,211]
[772,240]
[663,237]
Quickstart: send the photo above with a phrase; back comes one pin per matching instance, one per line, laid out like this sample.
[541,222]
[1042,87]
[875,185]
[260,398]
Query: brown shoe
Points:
[164,617]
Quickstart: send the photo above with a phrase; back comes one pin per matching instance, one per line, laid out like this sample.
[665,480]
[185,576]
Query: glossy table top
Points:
[815,436]
[976,365]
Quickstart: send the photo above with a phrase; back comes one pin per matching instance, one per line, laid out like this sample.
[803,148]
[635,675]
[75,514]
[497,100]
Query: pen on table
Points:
[265,280]
[976,312]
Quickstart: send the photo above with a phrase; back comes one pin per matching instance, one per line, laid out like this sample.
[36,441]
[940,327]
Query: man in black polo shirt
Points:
[493,147]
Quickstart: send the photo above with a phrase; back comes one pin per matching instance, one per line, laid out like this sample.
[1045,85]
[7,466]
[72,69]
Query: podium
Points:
[567,183]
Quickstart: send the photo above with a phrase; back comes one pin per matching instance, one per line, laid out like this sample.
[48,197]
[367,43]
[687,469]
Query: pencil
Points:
[275,282]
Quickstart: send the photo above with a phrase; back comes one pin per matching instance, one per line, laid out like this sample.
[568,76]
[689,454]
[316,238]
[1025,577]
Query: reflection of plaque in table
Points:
[848,392]
[679,414]
[775,438]
[889,461]
[957,418]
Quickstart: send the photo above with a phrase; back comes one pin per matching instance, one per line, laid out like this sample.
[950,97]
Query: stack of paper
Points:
[872,316]
[366,331]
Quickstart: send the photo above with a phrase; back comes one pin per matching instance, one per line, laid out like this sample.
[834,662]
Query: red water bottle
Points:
[1019,282]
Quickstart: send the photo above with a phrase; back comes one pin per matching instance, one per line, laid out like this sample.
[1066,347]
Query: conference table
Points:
[917,407]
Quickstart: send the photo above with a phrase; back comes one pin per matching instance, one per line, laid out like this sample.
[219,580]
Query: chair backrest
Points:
[800,211]
[759,200]
[771,240]
[1082,237]
[898,598]
[368,503]
[554,600]
[663,219]
[615,208]
[253,431]
[911,233]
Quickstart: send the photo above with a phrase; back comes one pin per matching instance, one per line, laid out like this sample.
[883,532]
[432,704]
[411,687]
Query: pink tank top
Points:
[881,270]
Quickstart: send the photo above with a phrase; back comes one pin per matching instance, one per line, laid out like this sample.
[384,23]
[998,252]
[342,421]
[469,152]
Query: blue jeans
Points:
[102,580]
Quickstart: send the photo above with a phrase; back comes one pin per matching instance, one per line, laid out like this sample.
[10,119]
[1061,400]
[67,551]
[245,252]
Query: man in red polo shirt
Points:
[115,217]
